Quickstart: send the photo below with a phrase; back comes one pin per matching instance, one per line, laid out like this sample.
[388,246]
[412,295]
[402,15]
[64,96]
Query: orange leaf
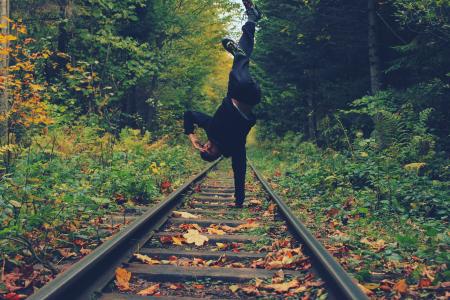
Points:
[198,286]
[401,286]
[151,290]
[123,279]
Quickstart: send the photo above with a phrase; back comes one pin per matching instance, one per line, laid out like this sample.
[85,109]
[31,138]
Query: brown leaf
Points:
[283,287]
[66,252]
[401,286]
[424,282]
[151,290]
[250,290]
[274,265]
[123,279]
[85,251]
[166,239]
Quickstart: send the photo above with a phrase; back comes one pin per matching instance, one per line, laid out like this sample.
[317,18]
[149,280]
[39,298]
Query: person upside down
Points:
[227,130]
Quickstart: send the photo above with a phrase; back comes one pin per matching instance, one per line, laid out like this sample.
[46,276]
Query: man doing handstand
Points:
[227,130]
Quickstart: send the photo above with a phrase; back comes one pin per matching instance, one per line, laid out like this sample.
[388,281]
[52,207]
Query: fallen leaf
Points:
[198,286]
[283,287]
[234,288]
[123,279]
[146,259]
[401,286]
[14,296]
[194,237]
[185,215]
[274,265]
[177,241]
[237,265]
[255,202]
[151,290]
[166,239]
[221,246]
[176,286]
[250,290]
[258,282]
[371,286]
[85,251]
[66,252]
[366,291]
[424,282]
[216,231]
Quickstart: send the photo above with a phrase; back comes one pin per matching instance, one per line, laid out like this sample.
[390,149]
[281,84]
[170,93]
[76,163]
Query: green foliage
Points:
[348,199]
[78,174]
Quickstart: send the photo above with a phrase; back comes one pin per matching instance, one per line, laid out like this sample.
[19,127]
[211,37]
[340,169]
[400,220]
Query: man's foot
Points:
[238,205]
[232,47]
[253,13]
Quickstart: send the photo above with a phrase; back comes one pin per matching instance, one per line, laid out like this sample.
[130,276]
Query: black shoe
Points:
[232,47]
[253,13]
[238,205]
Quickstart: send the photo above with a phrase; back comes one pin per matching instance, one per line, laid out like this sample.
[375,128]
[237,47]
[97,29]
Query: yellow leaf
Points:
[371,286]
[185,215]
[8,38]
[234,288]
[36,87]
[414,166]
[151,290]
[4,51]
[215,231]
[22,29]
[177,241]
[221,246]
[194,237]
[146,259]
[123,279]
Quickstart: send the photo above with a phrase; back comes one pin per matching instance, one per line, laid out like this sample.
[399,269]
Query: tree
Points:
[4,7]
[374,58]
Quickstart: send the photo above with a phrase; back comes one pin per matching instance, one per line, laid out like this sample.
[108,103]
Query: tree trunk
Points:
[311,115]
[4,61]
[374,58]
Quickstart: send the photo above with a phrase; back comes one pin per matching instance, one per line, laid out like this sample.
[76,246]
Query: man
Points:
[227,130]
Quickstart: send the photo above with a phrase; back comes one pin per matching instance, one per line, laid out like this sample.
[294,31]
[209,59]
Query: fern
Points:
[389,130]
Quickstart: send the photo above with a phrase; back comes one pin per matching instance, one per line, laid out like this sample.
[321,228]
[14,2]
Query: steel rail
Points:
[336,278]
[84,278]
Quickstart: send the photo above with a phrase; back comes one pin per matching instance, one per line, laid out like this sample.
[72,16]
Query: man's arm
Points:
[239,163]
[192,118]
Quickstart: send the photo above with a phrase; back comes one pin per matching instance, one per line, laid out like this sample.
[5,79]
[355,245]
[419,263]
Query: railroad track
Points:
[193,245]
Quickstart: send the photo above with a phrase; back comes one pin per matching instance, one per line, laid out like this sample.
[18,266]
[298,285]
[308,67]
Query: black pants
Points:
[241,85]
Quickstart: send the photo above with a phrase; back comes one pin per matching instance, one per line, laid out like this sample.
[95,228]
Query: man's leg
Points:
[240,71]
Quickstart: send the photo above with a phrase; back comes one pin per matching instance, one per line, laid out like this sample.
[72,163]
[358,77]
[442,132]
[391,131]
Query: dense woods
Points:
[355,106]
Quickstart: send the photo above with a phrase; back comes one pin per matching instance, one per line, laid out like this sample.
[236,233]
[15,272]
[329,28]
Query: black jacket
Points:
[228,129]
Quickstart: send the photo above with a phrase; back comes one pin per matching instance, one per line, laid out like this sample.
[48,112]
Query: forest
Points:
[353,129]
